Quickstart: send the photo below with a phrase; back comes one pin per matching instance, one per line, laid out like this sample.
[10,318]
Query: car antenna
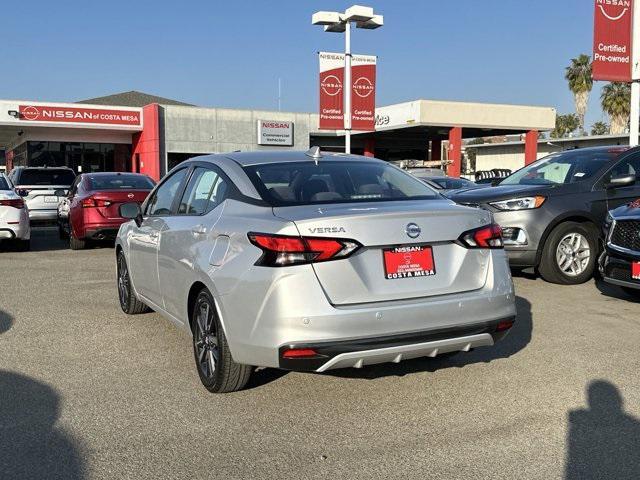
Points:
[314,152]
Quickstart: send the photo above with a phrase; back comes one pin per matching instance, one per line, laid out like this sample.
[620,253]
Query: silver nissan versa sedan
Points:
[311,262]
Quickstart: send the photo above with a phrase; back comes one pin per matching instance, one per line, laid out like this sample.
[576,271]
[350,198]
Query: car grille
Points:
[626,234]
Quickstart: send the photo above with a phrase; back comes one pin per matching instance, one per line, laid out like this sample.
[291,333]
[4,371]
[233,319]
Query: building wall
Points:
[218,130]
[511,155]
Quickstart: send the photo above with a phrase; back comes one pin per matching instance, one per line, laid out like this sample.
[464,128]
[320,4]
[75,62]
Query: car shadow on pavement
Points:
[603,440]
[518,338]
[31,445]
[44,239]
[612,291]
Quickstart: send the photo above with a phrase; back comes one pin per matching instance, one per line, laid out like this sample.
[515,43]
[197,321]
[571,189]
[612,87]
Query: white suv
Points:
[38,185]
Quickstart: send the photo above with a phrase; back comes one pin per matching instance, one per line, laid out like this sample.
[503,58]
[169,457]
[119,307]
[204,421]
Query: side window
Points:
[205,191]
[164,196]
[629,166]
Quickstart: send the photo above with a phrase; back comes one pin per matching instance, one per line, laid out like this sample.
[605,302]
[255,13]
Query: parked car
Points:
[311,262]
[620,262]
[14,216]
[37,185]
[551,211]
[90,210]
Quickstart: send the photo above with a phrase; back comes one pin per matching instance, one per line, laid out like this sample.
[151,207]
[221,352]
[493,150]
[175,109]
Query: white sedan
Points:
[14,216]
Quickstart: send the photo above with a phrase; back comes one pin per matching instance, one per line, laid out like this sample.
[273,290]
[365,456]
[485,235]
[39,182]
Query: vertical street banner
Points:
[363,91]
[612,40]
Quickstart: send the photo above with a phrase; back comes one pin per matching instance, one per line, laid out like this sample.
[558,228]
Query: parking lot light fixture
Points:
[336,22]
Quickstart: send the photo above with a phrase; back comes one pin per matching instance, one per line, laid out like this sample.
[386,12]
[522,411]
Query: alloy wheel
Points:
[123,281]
[573,254]
[206,339]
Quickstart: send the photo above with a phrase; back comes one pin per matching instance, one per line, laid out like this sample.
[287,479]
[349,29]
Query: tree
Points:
[616,102]
[470,154]
[599,128]
[565,125]
[580,79]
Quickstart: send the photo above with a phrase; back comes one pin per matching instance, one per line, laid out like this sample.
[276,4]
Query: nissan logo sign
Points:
[413,230]
[614,10]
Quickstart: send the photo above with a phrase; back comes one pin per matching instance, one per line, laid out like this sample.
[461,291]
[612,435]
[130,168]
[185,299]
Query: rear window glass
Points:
[49,176]
[305,183]
[4,185]
[120,182]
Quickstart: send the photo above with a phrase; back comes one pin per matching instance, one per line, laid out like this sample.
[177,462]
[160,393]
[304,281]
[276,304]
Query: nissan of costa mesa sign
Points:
[612,40]
[58,114]
[275,132]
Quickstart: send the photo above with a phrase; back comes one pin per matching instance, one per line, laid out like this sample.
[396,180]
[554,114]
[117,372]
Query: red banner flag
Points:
[612,40]
[363,93]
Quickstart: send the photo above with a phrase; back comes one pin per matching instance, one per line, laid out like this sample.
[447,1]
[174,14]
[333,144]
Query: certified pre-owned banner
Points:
[612,40]
[363,93]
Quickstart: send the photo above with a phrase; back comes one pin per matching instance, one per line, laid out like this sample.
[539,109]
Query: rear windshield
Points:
[120,182]
[49,176]
[4,185]
[305,183]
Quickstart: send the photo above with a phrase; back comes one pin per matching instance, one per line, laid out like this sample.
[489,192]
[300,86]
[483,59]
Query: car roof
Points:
[618,149]
[261,157]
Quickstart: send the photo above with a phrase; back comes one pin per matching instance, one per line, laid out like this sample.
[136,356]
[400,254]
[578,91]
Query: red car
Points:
[90,210]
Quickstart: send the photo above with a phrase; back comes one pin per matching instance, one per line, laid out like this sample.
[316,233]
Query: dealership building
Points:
[138,132]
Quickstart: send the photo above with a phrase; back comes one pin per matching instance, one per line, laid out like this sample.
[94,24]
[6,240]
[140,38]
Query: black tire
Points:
[217,370]
[127,297]
[549,268]
[632,292]
[62,232]
[76,243]
[23,245]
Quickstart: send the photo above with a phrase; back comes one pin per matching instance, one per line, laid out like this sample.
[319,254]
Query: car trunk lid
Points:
[362,278]
[109,201]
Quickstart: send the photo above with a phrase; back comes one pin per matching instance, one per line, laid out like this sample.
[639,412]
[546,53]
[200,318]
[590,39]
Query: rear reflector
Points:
[504,325]
[282,250]
[13,202]
[299,353]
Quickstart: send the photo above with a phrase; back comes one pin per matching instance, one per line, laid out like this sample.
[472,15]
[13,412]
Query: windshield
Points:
[305,183]
[561,168]
[452,183]
[120,182]
[48,176]
[4,185]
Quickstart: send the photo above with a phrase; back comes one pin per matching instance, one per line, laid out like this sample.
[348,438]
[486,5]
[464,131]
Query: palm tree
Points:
[578,74]
[599,128]
[565,125]
[616,102]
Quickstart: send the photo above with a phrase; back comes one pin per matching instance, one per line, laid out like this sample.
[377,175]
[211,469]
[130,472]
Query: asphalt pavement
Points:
[89,392]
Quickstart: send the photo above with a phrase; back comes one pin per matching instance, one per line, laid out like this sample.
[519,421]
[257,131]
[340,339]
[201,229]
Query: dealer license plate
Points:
[408,262]
[51,199]
[635,270]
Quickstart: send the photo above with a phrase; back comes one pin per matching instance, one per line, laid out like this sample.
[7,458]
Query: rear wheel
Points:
[569,255]
[128,300]
[216,368]
[76,243]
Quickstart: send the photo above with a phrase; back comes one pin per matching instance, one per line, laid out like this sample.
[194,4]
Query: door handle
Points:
[199,230]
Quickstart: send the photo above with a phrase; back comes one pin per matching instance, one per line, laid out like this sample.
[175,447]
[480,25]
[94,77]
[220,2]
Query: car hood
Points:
[500,192]
[629,210]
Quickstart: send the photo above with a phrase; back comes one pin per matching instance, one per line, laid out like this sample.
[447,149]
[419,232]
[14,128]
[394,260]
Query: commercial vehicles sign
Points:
[275,132]
[612,40]
[363,91]
[51,113]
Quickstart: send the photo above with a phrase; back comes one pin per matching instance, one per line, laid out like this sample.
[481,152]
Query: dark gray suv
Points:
[552,211]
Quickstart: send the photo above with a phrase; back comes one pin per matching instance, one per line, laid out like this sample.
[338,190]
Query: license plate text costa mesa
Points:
[408,262]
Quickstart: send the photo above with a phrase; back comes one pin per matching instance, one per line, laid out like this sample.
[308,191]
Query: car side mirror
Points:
[621,181]
[131,211]
[60,193]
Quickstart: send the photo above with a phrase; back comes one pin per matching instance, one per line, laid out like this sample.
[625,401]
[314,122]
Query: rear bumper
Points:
[43,215]
[102,233]
[396,348]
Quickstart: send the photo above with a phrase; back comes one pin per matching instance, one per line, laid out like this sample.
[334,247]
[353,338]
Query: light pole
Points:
[337,22]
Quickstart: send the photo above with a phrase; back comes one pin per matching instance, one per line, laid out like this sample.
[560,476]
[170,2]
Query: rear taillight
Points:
[13,202]
[489,236]
[95,202]
[282,251]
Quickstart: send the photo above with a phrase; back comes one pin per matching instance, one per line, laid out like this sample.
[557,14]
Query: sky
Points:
[232,53]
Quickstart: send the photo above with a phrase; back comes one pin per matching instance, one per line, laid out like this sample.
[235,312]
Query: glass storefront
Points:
[81,157]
